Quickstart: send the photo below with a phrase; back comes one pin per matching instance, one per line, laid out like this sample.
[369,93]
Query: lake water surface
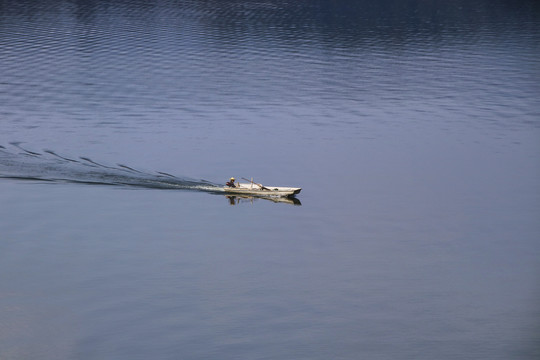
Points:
[413,128]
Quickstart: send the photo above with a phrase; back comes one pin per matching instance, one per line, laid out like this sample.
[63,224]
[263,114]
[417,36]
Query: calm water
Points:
[413,128]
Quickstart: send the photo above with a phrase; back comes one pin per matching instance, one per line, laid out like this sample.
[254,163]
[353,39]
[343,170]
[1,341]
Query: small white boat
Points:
[256,189]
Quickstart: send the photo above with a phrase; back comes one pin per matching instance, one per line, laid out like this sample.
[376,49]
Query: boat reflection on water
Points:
[237,199]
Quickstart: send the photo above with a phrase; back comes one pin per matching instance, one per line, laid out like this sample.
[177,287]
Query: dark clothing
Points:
[230,184]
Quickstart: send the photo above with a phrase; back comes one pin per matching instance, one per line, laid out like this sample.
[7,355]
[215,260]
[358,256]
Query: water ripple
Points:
[52,167]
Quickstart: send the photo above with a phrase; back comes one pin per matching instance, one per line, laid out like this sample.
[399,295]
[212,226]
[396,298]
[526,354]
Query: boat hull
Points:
[257,190]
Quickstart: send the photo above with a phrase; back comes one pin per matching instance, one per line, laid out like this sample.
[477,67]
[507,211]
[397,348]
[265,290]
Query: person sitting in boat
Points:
[231,183]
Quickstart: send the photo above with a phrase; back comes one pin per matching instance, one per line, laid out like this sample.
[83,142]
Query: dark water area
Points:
[413,128]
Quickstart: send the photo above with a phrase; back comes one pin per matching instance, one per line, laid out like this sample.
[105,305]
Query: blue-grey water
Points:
[413,128]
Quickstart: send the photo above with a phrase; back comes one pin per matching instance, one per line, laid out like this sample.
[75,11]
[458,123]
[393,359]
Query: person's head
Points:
[232,179]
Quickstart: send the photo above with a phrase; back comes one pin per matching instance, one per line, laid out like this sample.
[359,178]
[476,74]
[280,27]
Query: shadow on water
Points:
[239,199]
[24,164]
